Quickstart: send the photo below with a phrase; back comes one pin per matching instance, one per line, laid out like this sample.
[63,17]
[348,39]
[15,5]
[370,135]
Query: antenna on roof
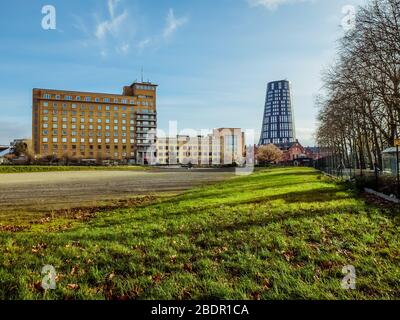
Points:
[142,74]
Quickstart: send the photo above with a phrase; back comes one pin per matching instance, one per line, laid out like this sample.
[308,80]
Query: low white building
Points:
[225,146]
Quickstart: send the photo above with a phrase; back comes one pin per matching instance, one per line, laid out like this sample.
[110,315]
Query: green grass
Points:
[21,169]
[278,234]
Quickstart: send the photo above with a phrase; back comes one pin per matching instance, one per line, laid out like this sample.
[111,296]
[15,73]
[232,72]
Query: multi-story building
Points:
[95,126]
[224,146]
[278,122]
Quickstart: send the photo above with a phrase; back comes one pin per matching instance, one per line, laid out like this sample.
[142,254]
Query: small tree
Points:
[269,154]
[20,148]
[24,148]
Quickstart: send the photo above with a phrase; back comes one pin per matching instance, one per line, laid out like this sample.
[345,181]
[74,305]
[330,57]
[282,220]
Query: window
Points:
[106,100]
[88,99]
[47,96]
[55,140]
[45,140]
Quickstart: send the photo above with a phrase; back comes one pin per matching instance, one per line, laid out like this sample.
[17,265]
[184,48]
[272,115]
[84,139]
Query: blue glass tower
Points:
[278,123]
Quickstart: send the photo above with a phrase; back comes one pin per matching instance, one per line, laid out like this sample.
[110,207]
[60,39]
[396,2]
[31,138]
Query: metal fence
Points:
[374,179]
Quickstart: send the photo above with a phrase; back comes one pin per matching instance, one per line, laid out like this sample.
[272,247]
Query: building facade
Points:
[278,121]
[95,126]
[225,146]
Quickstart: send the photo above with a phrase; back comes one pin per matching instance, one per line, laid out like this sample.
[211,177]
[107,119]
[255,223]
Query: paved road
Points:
[59,190]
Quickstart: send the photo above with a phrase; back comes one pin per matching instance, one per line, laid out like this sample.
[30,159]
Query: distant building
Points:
[224,146]
[314,153]
[100,126]
[291,151]
[278,121]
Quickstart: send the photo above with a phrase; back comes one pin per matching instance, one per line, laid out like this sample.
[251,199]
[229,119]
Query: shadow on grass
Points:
[214,228]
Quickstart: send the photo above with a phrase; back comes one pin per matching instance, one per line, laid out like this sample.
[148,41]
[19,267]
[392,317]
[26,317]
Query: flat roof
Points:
[90,92]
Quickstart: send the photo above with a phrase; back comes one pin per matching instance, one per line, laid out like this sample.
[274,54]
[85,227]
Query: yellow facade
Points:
[94,126]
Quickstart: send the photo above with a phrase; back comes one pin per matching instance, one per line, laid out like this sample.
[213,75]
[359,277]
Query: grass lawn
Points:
[21,169]
[278,234]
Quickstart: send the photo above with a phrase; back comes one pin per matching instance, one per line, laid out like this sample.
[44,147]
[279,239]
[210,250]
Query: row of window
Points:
[91,154]
[144,87]
[90,134]
[100,107]
[49,96]
[83,140]
[188,154]
[279,86]
[188,148]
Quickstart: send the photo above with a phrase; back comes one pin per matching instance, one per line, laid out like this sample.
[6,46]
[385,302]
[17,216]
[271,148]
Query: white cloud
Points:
[173,24]
[113,25]
[123,48]
[273,4]
[144,43]
[116,32]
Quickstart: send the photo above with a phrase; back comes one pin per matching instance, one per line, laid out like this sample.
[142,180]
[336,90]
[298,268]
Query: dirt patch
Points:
[32,198]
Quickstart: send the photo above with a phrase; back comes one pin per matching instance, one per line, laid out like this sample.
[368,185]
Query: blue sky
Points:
[212,59]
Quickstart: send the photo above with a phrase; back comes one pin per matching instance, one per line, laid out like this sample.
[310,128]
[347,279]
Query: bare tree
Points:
[359,114]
